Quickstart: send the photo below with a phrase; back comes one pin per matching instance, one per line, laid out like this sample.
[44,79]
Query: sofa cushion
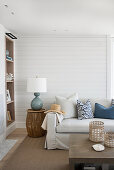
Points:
[68,105]
[84,110]
[104,102]
[103,112]
[74,125]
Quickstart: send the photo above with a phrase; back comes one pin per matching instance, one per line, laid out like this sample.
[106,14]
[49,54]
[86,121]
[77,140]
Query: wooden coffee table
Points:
[81,152]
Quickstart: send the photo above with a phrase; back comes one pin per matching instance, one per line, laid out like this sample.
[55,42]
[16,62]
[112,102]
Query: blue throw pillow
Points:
[103,112]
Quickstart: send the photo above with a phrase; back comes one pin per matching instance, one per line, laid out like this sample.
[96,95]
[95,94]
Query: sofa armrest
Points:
[54,117]
[51,131]
[51,122]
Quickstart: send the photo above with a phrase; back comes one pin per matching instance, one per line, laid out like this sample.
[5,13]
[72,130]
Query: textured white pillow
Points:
[68,105]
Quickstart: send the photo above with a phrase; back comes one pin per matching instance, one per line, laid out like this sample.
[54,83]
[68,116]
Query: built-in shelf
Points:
[10,113]
[10,61]
[9,122]
[10,102]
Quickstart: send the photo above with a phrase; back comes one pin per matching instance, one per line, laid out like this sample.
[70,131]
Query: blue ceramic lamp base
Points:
[36,103]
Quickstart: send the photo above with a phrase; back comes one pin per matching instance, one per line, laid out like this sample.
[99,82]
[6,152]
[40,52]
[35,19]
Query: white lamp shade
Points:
[37,85]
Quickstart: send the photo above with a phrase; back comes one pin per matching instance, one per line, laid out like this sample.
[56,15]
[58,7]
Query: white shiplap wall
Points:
[2,84]
[71,64]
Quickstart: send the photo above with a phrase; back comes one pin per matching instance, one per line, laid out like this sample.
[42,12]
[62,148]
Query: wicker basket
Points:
[96,131]
[109,139]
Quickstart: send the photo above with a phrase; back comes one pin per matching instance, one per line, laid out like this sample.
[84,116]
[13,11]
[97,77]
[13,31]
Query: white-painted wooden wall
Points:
[70,64]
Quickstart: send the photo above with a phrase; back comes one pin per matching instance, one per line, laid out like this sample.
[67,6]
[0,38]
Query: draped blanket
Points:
[59,119]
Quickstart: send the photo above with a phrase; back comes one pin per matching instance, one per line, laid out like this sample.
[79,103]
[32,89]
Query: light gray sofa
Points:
[58,134]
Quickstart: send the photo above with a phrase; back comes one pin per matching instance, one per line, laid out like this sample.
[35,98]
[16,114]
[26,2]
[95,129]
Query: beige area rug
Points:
[31,155]
[5,147]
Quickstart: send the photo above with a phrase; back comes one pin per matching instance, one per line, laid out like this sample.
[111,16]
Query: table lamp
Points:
[36,85]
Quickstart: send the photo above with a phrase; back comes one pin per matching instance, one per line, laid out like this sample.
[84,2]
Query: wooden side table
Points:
[34,121]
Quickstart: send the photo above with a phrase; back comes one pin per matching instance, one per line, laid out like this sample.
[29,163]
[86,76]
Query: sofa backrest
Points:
[104,102]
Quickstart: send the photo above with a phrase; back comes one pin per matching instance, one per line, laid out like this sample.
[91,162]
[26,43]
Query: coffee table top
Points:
[81,148]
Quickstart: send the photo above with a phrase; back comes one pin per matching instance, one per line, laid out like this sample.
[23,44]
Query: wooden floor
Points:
[19,134]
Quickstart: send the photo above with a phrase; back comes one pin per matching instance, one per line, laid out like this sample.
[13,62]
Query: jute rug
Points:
[31,155]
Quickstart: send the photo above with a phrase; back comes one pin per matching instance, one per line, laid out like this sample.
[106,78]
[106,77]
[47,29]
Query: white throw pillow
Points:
[68,105]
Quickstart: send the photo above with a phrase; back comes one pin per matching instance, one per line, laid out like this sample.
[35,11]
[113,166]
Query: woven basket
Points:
[109,139]
[96,131]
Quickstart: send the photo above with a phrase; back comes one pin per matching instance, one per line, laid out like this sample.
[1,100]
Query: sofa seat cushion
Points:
[73,125]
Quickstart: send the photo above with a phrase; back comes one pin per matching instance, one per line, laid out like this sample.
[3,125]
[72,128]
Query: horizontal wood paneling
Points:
[71,64]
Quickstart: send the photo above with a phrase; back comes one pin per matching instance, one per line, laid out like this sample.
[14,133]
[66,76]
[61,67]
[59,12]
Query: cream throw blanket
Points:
[59,119]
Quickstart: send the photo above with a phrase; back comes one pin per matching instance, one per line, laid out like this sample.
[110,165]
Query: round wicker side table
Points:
[34,121]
